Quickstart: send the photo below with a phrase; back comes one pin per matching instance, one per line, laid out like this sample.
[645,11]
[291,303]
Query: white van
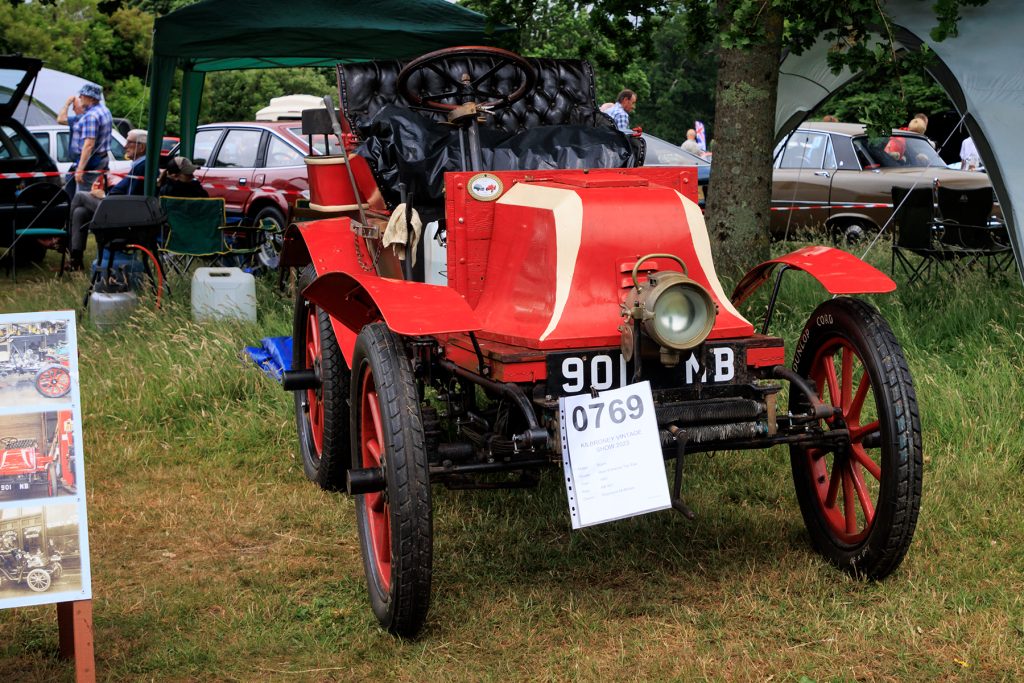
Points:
[55,140]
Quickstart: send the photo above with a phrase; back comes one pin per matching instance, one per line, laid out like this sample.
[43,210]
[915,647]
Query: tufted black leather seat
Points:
[563,95]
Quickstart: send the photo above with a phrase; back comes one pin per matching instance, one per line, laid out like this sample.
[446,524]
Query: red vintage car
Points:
[23,462]
[554,264]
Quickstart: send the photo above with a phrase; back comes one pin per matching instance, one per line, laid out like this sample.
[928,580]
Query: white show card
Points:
[612,455]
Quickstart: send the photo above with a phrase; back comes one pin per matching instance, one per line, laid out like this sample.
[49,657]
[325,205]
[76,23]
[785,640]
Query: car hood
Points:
[947,177]
[16,73]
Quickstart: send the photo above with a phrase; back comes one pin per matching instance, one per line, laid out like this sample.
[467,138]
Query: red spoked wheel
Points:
[860,501]
[53,381]
[378,513]
[395,525]
[321,413]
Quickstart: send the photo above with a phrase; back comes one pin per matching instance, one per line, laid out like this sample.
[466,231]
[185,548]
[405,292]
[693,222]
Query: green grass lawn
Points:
[215,560]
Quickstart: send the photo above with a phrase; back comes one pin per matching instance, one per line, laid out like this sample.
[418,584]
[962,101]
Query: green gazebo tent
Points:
[218,35]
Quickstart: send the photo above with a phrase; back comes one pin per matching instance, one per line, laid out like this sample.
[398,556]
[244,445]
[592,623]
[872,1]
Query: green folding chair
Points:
[196,231]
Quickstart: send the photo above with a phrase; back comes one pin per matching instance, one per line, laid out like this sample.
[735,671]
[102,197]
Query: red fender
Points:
[354,297]
[838,271]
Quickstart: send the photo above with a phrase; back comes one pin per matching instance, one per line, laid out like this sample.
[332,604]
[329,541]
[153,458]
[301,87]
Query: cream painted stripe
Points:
[702,245]
[567,207]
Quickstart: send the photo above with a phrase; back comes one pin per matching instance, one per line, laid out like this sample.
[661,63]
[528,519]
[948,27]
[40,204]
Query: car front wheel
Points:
[395,524]
[860,502]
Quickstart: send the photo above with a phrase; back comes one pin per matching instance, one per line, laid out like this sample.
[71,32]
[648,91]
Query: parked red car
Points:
[257,167]
[168,145]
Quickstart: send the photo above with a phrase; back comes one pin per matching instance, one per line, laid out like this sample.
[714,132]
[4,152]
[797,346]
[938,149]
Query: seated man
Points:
[178,180]
[10,555]
[83,205]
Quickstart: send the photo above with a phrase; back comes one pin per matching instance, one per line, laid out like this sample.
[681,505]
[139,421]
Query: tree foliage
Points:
[237,95]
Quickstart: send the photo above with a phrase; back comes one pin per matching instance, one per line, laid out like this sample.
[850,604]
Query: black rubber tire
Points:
[328,465]
[400,601]
[269,254]
[875,549]
[849,233]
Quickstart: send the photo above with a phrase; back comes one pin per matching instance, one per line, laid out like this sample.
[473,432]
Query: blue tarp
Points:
[273,356]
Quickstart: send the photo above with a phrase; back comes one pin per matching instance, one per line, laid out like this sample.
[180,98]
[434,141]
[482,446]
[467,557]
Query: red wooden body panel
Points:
[543,265]
[354,297]
[470,222]
[329,246]
[409,308]
[838,271]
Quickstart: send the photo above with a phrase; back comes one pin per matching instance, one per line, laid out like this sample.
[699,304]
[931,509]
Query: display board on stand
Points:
[44,541]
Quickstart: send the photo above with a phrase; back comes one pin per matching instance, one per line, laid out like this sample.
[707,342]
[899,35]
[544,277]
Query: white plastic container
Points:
[108,309]
[219,293]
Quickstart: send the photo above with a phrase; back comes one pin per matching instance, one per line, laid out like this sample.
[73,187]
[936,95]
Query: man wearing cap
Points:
[90,134]
[178,181]
[84,204]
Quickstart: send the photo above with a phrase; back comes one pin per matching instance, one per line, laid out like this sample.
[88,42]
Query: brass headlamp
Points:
[674,310]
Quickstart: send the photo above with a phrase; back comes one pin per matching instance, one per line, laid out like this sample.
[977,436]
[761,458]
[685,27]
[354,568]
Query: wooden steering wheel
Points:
[466,87]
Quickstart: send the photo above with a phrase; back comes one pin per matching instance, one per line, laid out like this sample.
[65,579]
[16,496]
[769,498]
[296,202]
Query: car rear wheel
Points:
[860,502]
[395,524]
[269,253]
[849,233]
[321,413]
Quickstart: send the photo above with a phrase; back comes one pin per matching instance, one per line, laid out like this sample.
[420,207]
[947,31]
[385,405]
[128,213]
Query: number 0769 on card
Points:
[612,455]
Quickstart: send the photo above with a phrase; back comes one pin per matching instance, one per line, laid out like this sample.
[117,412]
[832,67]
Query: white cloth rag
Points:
[397,233]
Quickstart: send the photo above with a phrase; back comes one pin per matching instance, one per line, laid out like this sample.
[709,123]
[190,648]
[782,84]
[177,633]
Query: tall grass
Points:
[214,559]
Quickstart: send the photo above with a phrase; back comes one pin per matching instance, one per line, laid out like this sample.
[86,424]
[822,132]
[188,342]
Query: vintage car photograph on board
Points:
[34,364]
[37,455]
[40,553]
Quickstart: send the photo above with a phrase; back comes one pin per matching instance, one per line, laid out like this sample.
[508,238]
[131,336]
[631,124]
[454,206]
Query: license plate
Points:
[576,373]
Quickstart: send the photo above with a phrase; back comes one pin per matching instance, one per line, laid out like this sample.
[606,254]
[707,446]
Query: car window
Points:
[63,140]
[805,150]
[117,148]
[830,155]
[239,149]
[318,142]
[206,141]
[43,139]
[279,153]
[14,146]
[664,153]
[10,79]
[902,151]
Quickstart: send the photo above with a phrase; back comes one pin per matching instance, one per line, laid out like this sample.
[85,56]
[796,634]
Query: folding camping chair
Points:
[197,231]
[964,216]
[40,212]
[940,244]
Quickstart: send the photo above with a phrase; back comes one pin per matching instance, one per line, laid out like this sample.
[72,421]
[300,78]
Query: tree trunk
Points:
[741,182]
